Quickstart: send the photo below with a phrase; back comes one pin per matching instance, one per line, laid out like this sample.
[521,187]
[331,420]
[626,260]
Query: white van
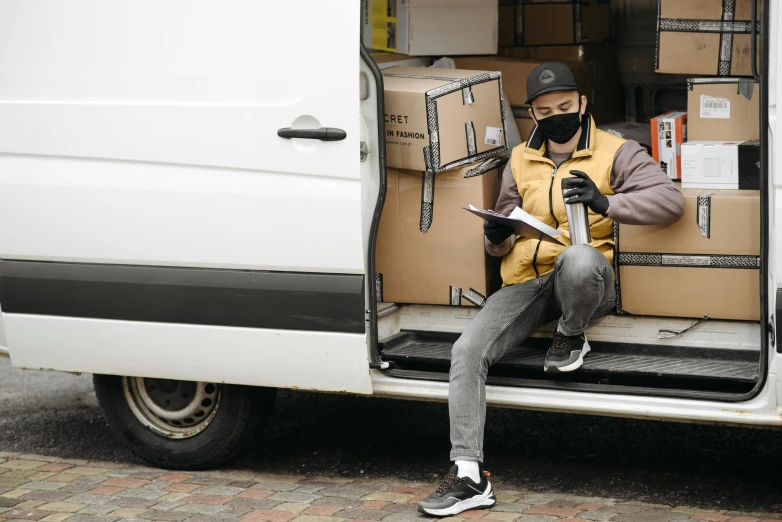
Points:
[159,233]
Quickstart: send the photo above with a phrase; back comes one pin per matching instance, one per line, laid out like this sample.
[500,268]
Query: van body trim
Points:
[218,297]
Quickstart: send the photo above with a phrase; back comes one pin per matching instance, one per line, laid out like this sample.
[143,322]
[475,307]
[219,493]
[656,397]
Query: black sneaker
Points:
[566,353]
[458,494]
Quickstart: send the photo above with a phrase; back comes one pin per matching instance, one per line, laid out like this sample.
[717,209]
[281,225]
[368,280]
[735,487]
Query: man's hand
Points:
[496,233]
[584,190]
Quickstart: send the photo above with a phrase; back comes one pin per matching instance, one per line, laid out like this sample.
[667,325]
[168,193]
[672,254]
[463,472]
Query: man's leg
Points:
[507,319]
[583,290]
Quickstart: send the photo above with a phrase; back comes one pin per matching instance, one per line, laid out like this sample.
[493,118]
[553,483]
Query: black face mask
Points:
[561,128]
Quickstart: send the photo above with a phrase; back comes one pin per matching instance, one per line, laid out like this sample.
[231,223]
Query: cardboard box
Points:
[553,22]
[430,27]
[704,37]
[441,119]
[706,263]
[721,164]
[514,82]
[669,131]
[385,60]
[443,265]
[718,111]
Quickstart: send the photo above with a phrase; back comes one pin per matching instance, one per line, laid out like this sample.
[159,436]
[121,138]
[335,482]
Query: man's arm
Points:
[643,194]
[508,200]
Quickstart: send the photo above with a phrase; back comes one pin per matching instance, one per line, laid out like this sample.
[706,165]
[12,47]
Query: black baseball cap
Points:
[550,77]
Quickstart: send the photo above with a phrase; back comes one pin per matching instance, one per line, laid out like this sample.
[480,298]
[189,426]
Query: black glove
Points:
[496,233]
[584,190]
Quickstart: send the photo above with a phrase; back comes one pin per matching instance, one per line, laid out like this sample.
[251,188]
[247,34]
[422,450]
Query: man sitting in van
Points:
[543,282]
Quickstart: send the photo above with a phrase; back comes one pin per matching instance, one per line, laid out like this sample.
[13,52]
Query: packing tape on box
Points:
[744,86]
[427,200]
[689,260]
[726,27]
[455,296]
[469,130]
[521,112]
[432,151]
[467,97]
[474,297]
[703,216]
[379,287]
[486,166]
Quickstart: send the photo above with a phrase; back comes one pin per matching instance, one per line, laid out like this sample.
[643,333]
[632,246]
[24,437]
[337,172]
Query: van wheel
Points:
[183,424]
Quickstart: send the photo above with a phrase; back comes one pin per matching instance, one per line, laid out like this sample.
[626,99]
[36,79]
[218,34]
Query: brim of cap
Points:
[552,89]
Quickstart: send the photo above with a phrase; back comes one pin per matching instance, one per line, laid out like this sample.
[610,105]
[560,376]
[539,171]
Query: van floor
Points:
[714,356]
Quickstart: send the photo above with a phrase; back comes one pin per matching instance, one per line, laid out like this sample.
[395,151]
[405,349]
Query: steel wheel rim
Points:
[170,408]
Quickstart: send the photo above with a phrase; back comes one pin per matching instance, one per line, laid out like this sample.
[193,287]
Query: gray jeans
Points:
[580,288]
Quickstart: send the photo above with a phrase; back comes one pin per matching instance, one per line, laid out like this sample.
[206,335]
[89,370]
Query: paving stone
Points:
[256,494]
[552,511]
[54,467]
[93,518]
[363,514]
[590,507]
[9,502]
[664,514]
[563,503]
[535,499]
[398,498]
[344,502]
[218,490]
[51,496]
[505,517]
[317,518]
[374,504]
[29,504]
[19,473]
[165,516]
[200,509]
[11,482]
[124,482]
[507,498]
[148,475]
[597,516]
[353,490]
[213,500]
[244,484]
[406,517]
[92,500]
[45,485]
[25,514]
[277,486]
[16,493]
[21,464]
[133,502]
[209,481]
[510,508]
[173,497]
[269,516]
[166,506]
[98,510]
[128,512]
[253,504]
[66,507]
[87,470]
[76,489]
[291,507]
[637,517]
[292,496]
[322,511]
[64,478]
[89,479]
[177,477]
[41,476]
[535,518]
[57,517]
[623,509]
[141,493]
[105,490]
[312,488]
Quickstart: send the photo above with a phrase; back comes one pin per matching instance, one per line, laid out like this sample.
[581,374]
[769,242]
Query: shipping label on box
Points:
[704,37]
[723,109]
[706,263]
[419,27]
[669,132]
[441,119]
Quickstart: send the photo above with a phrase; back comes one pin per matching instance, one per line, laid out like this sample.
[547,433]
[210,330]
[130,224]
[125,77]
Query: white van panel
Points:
[275,358]
[152,126]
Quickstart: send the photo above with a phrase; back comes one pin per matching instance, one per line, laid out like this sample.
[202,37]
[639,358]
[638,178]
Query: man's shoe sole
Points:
[575,365]
[486,499]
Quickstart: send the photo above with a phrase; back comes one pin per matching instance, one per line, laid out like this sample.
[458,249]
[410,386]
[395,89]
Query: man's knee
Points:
[466,353]
[580,262]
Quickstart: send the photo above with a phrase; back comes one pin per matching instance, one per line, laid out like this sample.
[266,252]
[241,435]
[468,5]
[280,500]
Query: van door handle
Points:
[322,134]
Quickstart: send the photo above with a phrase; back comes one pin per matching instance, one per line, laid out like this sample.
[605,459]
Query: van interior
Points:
[718,359]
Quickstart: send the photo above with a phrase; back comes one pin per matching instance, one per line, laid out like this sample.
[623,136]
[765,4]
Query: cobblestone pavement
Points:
[53,489]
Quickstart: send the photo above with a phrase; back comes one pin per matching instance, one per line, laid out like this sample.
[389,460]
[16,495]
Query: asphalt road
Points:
[675,464]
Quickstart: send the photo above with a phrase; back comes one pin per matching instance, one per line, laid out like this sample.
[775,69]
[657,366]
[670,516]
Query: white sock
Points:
[469,468]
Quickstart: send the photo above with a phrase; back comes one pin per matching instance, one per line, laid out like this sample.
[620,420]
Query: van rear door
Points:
[154,221]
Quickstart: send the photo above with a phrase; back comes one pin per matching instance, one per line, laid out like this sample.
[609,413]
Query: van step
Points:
[432,351]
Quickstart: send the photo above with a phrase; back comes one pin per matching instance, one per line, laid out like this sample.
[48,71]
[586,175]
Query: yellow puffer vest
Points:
[540,186]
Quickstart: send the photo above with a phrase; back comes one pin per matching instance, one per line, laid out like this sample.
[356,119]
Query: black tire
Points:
[242,412]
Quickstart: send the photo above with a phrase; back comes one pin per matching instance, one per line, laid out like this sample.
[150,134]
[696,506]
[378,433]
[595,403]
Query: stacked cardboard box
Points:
[562,22]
